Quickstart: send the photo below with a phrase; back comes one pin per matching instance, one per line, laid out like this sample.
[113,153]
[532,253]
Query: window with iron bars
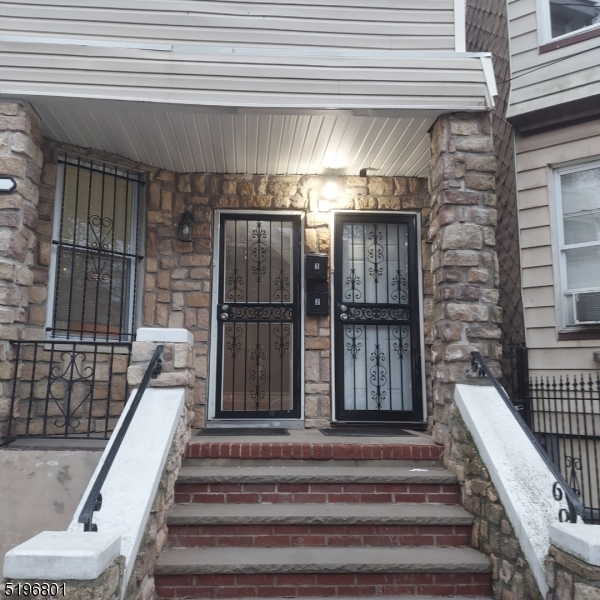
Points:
[94,252]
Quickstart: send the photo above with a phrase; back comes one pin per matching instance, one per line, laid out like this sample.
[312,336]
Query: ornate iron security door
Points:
[377,333]
[259,313]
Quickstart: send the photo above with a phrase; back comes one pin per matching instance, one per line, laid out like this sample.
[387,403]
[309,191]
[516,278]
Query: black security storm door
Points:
[259,312]
[376,313]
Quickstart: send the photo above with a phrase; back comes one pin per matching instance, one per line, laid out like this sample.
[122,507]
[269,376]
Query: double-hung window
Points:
[562,18]
[94,252]
[578,249]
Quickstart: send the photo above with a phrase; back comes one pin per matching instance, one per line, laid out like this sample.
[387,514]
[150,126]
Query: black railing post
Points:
[523,395]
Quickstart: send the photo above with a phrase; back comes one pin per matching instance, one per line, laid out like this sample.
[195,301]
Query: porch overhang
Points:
[250,110]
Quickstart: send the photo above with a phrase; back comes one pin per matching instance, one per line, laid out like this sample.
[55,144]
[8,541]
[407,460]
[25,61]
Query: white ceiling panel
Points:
[185,141]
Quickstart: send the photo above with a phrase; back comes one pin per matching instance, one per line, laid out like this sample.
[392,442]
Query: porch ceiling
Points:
[189,139]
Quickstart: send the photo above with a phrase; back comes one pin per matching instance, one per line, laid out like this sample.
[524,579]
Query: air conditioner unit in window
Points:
[587,308]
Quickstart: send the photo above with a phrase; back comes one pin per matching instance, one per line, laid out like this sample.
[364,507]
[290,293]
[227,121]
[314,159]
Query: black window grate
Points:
[96,252]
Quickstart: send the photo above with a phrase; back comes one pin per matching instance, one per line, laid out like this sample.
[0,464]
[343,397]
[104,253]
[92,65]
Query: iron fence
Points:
[563,412]
[68,389]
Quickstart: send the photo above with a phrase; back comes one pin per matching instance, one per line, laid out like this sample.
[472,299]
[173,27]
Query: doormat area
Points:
[366,432]
[235,431]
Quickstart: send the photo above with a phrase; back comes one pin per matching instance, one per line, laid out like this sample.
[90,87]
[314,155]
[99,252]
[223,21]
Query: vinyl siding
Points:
[538,83]
[375,24]
[535,155]
[263,78]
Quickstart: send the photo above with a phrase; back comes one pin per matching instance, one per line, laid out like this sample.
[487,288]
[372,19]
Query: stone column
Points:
[21,158]
[463,261]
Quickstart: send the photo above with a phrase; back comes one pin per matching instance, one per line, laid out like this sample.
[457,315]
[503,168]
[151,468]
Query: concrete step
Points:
[322,572]
[319,514]
[314,483]
[269,526]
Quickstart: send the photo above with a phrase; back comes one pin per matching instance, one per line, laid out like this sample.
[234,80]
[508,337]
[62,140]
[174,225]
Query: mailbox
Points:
[317,288]
[317,266]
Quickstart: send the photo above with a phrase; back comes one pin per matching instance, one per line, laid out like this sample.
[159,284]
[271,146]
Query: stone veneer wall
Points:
[175,289]
[21,157]
[492,532]
[464,263]
[570,578]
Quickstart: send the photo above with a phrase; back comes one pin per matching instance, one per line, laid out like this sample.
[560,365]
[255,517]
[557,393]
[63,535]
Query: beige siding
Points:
[534,85]
[535,154]
[377,24]
[267,78]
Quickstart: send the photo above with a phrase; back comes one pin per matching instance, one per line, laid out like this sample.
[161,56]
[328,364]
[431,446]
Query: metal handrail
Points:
[560,488]
[94,499]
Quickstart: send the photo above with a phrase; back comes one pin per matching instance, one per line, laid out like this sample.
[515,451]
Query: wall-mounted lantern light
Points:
[7,184]
[185,227]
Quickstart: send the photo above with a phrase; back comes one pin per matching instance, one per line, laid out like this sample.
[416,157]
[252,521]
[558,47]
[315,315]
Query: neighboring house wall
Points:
[534,155]
[487,32]
[567,74]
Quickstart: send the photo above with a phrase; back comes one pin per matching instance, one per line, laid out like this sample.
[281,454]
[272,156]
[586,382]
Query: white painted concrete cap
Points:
[169,335]
[578,539]
[58,555]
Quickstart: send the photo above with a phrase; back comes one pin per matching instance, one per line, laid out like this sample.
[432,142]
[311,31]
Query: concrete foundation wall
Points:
[40,491]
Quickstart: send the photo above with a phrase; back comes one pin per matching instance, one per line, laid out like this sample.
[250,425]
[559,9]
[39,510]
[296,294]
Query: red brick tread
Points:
[315,451]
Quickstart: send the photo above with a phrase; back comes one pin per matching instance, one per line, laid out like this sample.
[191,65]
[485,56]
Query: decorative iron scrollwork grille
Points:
[259,316]
[95,252]
[377,329]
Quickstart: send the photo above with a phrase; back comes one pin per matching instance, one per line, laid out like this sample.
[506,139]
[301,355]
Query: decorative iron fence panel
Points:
[564,415]
[68,389]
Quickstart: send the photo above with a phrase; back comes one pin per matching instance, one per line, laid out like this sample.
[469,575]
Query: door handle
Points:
[343,314]
[224,314]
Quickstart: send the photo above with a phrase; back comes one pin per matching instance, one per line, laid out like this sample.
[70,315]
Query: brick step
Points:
[266,525]
[334,450]
[321,572]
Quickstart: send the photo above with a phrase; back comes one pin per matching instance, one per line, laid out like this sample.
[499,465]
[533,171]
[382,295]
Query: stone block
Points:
[464,127]
[457,352]
[481,182]
[365,203]
[481,163]
[380,186]
[478,275]
[389,203]
[198,300]
[173,379]
[460,258]
[256,201]
[586,592]
[467,312]
[474,144]
[458,197]
[462,236]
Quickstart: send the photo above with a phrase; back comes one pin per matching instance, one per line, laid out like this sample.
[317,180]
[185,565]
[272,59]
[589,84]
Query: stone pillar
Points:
[21,158]
[464,265]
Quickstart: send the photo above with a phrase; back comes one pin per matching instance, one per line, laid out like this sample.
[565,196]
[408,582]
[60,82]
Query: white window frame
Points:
[545,25]
[137,228]
[562,293]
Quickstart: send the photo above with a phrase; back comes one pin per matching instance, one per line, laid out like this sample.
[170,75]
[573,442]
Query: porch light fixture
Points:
[7,184]
[330,190]
[185,227]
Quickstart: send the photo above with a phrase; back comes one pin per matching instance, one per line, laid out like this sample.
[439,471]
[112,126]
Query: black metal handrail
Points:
[93,502]
[561,488]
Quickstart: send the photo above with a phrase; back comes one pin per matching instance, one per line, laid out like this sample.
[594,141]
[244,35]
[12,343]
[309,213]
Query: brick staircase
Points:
[285,520]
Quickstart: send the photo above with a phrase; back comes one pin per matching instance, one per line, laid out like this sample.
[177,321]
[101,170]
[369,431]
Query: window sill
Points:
[568,41]
[579,334]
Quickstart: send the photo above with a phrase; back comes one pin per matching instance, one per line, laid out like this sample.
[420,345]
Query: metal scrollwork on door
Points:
[375,254]
[353,293]
[258,251]
[401,337]
[282,334]
[400,283]
[234,344]
[234,282]
[353,333]
[375,313]
[282,286]
[378,375]
[257,375]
